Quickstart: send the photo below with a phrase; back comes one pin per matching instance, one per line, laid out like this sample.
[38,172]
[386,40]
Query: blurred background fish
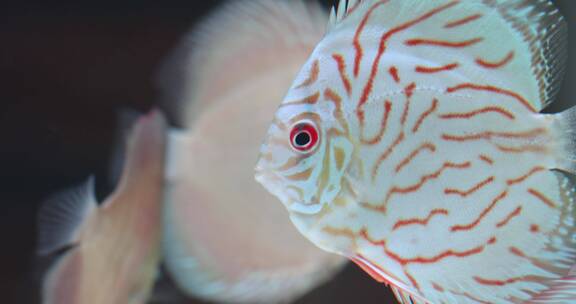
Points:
[65,68]
[114,248]
[225,238]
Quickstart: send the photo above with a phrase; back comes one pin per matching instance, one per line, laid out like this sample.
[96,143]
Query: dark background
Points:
[65,69]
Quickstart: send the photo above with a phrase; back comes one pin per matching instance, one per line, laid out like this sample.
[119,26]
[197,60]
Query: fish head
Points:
[307,151]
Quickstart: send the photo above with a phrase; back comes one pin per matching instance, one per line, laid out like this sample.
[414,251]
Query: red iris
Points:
[304,137]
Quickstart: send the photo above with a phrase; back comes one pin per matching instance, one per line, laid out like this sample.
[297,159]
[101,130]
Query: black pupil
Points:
[302,139]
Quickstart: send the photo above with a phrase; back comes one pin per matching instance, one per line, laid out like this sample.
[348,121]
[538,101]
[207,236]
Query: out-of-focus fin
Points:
[125,121]
[144,150]
[565,129]
[241,40]
[61,217]
[177,154]
[61,285]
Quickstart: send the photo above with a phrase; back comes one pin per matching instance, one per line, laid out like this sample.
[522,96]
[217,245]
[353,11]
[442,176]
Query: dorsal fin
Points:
[527,37]
[61,216]
[253,37]
[341,11]
[545,30]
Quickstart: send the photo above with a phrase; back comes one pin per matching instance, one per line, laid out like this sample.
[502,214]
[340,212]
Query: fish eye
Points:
[303,137]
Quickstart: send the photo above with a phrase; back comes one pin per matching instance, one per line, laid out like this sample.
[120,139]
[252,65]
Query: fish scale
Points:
[448,191]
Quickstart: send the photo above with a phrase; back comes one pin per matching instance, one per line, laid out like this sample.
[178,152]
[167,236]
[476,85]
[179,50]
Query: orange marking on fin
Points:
[394,73]
[462,21]
[465,193]
[471,114]
[487,135]
[420,221]
[425,115]
[534,228]
[382,48]
[376,139]
[496,64]
[441,256]
[510,216]
[386,154]
[342,70]
[481,216]
[486,159]
[408,91]
[488,88]
[522,149]
[314,71]
[498,282]
[440,43]
[431,70]
[517,252]
[425,146]
[412,281]
[437,287]
[522,178]
[417,186]
[424,260]
[356,42]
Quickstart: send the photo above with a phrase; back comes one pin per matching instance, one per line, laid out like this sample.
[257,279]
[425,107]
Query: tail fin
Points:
[565,128]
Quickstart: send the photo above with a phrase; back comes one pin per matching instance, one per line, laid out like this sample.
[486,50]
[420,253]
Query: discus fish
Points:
[225,239]
[411,142]
[114,248]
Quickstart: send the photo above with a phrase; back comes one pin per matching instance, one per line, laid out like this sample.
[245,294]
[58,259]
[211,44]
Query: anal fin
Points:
[378,274]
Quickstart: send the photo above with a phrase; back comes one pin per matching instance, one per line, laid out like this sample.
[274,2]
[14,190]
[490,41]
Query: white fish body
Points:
[114,248]
[225,238]
[417,149]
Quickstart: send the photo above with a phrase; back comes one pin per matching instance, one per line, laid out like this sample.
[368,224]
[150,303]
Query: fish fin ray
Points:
[565,128]
[258,31]
[62,214]
[378,274]
[530,48]
[402,296]
[548,35]
[562,291]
